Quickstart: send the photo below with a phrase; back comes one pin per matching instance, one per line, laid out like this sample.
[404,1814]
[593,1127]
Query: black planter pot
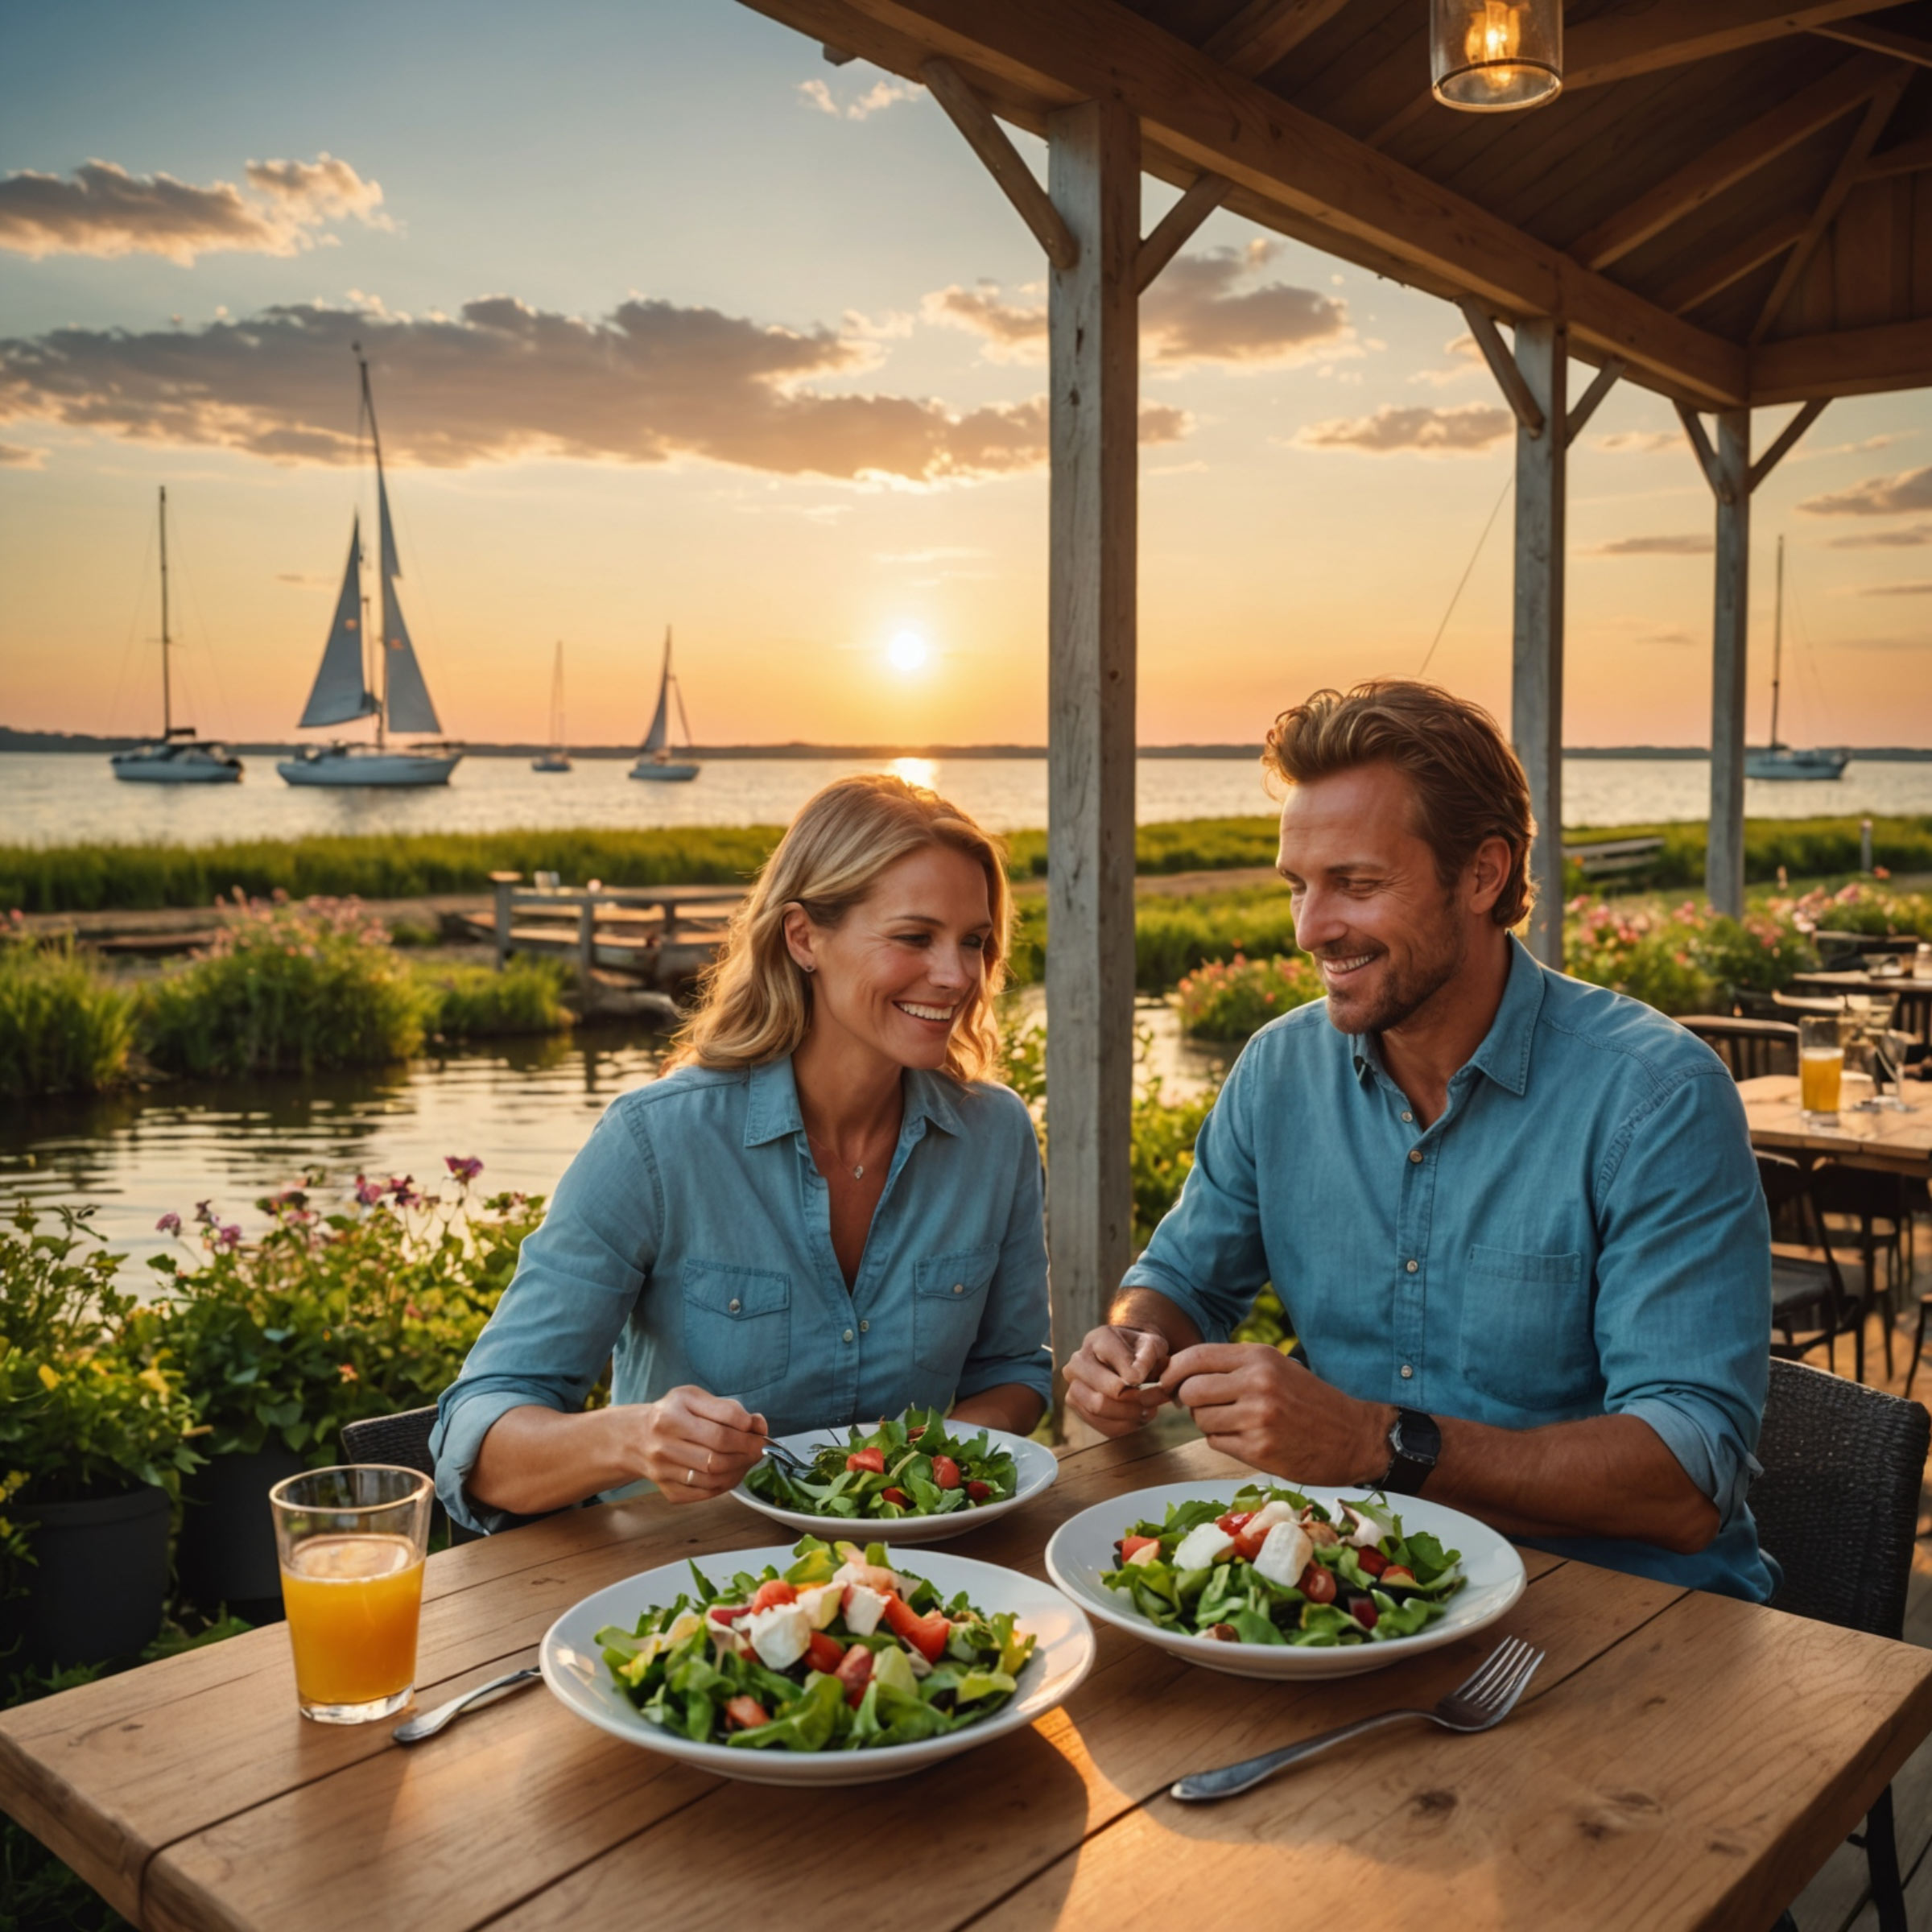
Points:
[227,1552]
[96,1588]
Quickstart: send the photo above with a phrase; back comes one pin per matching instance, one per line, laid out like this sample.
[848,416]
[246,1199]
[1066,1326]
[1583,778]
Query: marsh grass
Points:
[64,1029]
[465,1002]
[1172,936]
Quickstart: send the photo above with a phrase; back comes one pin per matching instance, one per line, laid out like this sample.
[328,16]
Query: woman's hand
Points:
[691,1444]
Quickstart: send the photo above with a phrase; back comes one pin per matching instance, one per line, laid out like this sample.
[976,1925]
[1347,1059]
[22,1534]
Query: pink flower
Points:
[465,1168]
[229,1238]
[168,1224]
[367,1192]
[402,1192]
[204,1213]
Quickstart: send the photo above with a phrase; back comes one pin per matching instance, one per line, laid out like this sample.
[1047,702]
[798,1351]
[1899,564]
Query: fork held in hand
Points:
[1486,1699]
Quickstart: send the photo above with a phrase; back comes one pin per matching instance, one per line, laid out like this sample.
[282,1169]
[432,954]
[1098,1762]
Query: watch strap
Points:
[1415,1445]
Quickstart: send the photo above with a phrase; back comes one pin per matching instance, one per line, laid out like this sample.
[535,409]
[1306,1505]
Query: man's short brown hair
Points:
[1469,785]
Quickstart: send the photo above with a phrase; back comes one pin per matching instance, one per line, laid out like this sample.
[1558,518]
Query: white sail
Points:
[407,703]
[341,692]
[659,736]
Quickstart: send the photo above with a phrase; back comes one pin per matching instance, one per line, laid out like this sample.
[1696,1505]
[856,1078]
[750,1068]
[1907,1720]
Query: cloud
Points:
[1464,431]
[1469,358]
[1691,543]
[1921,589]
[881,94]
[1914,536]
[650,383]
[301,581]
[16,455]
[1639,442]
[1198,312]
[1877,496]
[102,209]
[1804,455]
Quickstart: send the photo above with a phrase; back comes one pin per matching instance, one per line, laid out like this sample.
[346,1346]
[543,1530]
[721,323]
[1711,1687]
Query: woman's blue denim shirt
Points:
[690,1242]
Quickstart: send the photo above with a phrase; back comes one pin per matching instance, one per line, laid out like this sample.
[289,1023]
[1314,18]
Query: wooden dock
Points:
[657,935]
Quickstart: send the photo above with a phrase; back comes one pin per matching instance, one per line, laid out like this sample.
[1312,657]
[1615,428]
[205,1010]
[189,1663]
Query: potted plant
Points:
[95,1432]
[322,1319]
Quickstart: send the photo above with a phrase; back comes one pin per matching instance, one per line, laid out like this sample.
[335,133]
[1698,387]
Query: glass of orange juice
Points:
[1821,1068]
[351,1542]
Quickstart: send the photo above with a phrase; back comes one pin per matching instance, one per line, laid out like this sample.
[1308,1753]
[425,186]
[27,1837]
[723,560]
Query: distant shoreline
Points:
[74,742]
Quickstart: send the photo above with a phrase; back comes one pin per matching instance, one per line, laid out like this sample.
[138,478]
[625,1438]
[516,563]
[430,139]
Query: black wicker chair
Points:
[402,1439]
[1806,1282]
[1838,1506]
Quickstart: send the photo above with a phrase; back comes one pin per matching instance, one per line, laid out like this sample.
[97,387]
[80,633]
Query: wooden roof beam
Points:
[1847,362]
[1844,178]
[1880,40]
[1613,47]
[1908,158]
[1266,31]
[1754,146]
[1708,276]
[1028,60]
[1004,162]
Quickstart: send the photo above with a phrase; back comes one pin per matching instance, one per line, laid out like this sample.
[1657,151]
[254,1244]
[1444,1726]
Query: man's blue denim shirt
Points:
[1582,1233]
[691,1241]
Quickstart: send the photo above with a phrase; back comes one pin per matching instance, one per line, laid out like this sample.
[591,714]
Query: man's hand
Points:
[1102,1378]
[1266,1410]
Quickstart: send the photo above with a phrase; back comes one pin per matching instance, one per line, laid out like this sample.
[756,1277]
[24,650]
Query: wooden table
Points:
[1914,996]
[1683,1760]
[1890,1142]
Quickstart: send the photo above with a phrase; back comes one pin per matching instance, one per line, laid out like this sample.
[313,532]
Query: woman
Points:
[824,1213]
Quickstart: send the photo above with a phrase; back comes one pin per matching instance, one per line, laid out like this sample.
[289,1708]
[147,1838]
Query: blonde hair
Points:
[755,1000]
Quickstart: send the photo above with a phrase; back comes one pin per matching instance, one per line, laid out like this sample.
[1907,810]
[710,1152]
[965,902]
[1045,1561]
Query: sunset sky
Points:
[671,322]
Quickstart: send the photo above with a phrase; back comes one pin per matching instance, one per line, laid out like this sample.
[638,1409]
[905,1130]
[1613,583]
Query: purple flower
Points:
[168,1224]
[229,1238]
[204,1213]
[367,1192]
[465,1168]
[402,1192]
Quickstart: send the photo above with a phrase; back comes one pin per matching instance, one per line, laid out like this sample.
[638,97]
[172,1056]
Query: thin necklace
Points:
[857,1172]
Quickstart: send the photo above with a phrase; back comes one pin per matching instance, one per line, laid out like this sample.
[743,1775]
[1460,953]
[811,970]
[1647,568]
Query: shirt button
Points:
[959,1287]
[1408,1373]
[848,1334]
[864,1328]
[1415,1153]
[1412,1265]
[1408,1116]
[733,1304]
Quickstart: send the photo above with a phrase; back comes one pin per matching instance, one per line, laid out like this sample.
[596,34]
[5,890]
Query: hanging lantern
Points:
[1488,56]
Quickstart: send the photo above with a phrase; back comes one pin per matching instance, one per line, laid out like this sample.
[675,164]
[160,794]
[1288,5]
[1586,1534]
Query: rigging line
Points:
[1508,484]
[191,583]
[134,625]
[1808,657]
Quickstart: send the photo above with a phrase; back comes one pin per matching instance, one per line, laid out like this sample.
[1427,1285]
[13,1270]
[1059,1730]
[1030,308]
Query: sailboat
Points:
[556,758]
[654,760]
[1778,760]
[341,690]
[178,756]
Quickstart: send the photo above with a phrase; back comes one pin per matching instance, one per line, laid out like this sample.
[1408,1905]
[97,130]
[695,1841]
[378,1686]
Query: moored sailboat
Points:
[556,758]
[341,692]
[654,760]
[1777,760]
[178,756]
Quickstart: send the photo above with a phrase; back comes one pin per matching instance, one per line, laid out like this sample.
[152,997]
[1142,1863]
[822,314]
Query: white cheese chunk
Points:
[874,1576]
[863,1608]
[1266,1518]
[779,1635]
[1369,1529]
[822,1603]
[1202,1546]
[1284,1555]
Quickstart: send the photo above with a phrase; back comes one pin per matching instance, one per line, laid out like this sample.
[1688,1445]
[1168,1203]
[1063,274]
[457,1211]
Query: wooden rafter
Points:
[1712,275]
[1844,178]
[1265,32]
[1613,47]
[1908,158]
[1289,168]
[1880,40]
[990,142]
[1171,232]
[1847,362]
[1754,146]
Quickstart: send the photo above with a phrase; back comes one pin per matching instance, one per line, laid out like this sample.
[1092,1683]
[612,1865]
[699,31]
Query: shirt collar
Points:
[1504,1053]
[771,1109]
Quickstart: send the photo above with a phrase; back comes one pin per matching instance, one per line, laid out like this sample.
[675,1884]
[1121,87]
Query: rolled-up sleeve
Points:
[1013,1343]
[1683,1309]
[577,1279]
[1208,1256]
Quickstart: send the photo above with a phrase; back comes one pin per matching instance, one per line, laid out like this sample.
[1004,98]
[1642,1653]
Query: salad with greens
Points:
[1273,1567]
[913,1467]
[841,1652]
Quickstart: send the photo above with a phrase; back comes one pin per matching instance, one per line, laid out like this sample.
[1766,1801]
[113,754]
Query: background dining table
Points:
[1682,1760]
[1884,1138]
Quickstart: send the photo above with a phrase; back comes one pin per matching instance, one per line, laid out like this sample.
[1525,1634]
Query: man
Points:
[1514,1219]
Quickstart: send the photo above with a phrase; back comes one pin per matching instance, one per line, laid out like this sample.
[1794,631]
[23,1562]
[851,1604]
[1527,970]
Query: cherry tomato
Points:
[945,1472]
[1317,1584]
[872,1461]
[746,1713]
[824,1653]
[769,1595]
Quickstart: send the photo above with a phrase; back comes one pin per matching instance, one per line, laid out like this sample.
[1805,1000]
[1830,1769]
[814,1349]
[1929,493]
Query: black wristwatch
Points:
[1415,1443]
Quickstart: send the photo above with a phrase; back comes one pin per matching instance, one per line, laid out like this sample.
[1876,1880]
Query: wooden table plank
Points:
[1896,1142]
[1672,1783]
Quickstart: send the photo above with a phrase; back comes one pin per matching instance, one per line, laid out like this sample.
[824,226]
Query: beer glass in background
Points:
[351,1542]
[1922,961]
[1821,1068]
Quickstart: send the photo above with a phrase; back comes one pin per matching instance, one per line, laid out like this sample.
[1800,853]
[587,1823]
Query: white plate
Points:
[574,1668]
[1082,1549]
[1034,1467]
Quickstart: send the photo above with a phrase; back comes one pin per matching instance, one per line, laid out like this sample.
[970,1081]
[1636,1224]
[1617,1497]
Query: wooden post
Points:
[503,884]
[1725,856]
[1094,176]
[587,936]
[1537,685]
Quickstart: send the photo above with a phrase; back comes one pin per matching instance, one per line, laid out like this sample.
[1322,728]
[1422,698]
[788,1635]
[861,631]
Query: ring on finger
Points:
[690,1479]
[708,1454]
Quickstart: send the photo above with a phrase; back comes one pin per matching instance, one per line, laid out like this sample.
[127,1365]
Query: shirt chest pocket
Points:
[737,1327]
[949,1296]
[1527,1336]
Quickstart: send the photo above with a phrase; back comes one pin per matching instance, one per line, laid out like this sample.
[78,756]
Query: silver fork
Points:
[786,1461]
[1485,1699]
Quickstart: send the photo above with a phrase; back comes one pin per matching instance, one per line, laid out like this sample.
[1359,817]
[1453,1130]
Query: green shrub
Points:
[1230,1000]
[64,1029]
[1164,1134]
[286,988]
[1173,935]
[465,1002]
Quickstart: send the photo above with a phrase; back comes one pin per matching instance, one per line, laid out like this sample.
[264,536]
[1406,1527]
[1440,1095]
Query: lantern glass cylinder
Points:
[1489,56]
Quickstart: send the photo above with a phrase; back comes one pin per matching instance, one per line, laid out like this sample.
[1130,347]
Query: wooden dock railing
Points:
[658,934]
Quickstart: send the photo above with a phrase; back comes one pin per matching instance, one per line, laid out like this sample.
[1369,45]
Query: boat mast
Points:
[375,440]
[1777,642]
[556,700]
[167,698]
